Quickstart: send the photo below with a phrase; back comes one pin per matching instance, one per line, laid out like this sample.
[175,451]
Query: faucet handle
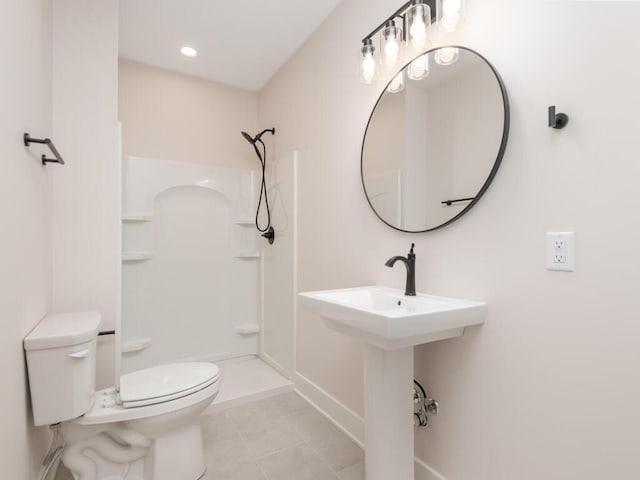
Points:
[411,252]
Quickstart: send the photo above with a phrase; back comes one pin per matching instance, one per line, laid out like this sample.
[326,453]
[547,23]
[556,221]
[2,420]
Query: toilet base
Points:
[161,441]
[177,454]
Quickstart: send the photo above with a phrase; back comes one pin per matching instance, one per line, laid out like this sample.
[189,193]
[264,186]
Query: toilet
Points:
[147,429]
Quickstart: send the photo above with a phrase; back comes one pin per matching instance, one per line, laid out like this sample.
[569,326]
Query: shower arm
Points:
[272,131]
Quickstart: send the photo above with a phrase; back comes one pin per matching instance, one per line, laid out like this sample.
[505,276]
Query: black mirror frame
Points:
[496,165]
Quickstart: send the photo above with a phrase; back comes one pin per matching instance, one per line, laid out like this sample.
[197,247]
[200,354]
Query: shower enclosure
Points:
[191,266]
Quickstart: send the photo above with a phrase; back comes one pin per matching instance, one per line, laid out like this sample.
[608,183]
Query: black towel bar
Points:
[47,141]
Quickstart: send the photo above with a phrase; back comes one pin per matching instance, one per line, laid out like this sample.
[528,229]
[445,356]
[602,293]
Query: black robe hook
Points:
[557,120]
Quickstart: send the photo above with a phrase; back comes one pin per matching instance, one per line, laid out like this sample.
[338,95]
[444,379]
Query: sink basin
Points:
[388,319]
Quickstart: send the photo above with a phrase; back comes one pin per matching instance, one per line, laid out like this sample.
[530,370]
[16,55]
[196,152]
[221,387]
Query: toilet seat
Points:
[165,382]
[106,408]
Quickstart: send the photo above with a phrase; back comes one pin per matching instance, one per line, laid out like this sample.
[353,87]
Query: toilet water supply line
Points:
[53,454]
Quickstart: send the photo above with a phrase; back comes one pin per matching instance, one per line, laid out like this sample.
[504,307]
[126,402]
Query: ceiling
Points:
[239,43]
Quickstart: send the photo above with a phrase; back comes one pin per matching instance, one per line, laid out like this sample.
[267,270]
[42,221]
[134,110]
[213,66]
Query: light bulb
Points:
[451,8]
[391,44]
[368,68]
[449,23]
[189,51]
[418,34]
[397,84]
[419,68]
[367,61]
[418,28]
[451,14]
[447,55]
[419,19]
[391,50]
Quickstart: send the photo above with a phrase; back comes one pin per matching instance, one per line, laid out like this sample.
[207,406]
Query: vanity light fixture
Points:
[188,51]
[413,30]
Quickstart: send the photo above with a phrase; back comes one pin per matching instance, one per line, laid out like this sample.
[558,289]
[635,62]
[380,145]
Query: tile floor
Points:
[278,438]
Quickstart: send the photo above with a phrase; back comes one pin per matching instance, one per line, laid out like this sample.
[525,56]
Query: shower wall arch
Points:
[190,270]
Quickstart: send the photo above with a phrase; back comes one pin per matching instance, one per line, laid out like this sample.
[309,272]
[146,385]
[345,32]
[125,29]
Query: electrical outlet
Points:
[559,246]
[561,251]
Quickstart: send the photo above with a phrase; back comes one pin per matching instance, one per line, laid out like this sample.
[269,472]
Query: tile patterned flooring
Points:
[278,438]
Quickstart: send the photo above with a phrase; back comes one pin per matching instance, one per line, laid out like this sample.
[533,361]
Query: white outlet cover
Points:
[569,238]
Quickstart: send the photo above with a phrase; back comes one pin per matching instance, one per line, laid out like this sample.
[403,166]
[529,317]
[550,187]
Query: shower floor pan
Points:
[246,379]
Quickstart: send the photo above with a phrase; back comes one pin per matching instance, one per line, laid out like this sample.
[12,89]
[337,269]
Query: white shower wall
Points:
[190,263]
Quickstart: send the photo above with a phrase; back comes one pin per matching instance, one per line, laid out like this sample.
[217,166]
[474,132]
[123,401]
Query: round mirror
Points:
[435,139]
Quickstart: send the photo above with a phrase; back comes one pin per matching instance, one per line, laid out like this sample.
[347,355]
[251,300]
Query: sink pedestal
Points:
[388,412]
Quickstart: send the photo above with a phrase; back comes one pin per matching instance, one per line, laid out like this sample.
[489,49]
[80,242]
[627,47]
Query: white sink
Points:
[388,319]
[391,324]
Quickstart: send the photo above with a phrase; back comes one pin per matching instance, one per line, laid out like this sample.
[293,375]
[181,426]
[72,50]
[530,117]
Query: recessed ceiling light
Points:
[189,52]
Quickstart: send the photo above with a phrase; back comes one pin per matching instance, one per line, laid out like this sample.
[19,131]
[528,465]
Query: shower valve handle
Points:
[270,235]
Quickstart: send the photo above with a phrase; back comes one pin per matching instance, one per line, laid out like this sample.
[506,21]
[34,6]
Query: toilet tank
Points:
[61,362]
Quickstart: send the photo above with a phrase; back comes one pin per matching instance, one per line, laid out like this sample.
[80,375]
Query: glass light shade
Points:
[419,68]
[390,44]
[367,62]
[419,24]
[446,55]
[397,84]
[450,14]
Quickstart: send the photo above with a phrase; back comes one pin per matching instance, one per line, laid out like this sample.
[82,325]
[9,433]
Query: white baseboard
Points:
[425,472]
[348,421]
[339,414]
[269,360]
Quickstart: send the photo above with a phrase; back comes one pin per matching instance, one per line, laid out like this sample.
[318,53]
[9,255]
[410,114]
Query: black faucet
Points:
[410,263]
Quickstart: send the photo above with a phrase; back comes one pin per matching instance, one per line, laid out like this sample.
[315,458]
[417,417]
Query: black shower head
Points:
[248,138]
[253,140]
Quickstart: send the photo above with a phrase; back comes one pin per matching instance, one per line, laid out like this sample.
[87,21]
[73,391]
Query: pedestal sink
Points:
[391,324]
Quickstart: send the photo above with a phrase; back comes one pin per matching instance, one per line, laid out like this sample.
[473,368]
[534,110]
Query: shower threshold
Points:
[246,379]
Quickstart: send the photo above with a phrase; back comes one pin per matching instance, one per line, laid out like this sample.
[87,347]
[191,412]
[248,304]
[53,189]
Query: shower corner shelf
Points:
[247,222]
[136,217]
[247,329]
[250,254]
[136,256]
[136,345]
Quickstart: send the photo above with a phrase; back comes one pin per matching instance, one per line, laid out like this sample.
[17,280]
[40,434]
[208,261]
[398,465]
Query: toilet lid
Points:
[165,382]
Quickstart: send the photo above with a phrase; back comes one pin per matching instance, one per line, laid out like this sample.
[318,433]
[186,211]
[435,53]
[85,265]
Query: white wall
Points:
[548,387]
[86,191]
[279,260]
[171,116]
[25,210]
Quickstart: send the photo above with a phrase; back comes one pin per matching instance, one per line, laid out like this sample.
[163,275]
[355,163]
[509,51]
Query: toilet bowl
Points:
[148,429]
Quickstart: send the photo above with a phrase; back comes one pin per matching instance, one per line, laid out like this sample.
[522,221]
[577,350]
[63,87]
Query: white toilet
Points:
[149,429]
